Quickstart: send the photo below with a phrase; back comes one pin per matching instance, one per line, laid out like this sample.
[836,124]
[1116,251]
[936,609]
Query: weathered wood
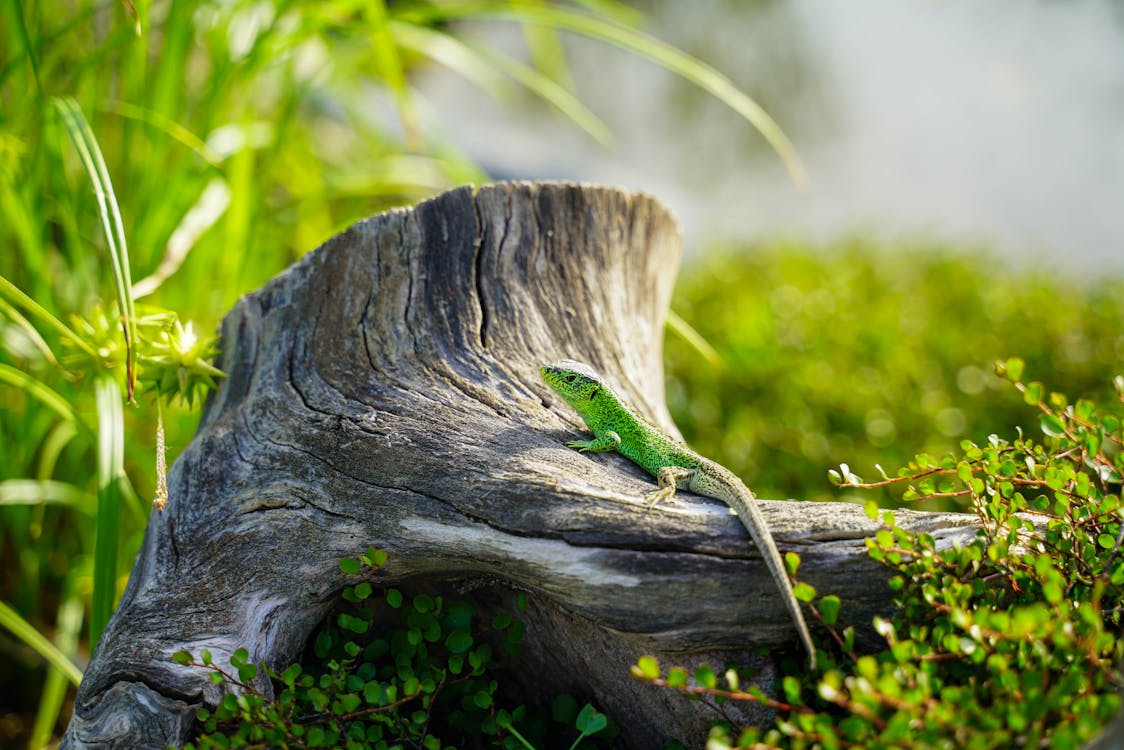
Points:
[385,391]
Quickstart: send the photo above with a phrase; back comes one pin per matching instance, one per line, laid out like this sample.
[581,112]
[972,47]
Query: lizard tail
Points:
[745,506]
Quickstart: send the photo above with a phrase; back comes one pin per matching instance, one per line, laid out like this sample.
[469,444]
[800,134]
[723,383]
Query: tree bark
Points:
[385,391]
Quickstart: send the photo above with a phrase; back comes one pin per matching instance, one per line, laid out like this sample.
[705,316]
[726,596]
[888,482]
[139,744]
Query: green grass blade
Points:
[41,492]
[68,626]
[687,332]
[21,31]
[389,64]
[90,155]
[207,210]
[111,449]
[548,56]
[619,12]
[454,53]
[51,448]
[23,631]
[24,225]
[45,395]
[477,63]
[137,507]
[11,313]
[170,127]
[631,40]
[17,298]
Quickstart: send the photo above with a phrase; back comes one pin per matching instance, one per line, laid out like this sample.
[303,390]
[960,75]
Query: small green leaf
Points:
[456,663]
[1051,425]
[459,641]
[677,677]
[590,720]
[791,562]
[1013,369]
[394,598]
[349,702]
[1084,409]
[374,693]
[647,667]
[349,565]
[792,689]
[829,609]
[363,591]
[290,675]
[182,657]
[247,672]
[804,592]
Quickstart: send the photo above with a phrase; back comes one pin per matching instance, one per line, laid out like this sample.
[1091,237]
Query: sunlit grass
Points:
[867,352]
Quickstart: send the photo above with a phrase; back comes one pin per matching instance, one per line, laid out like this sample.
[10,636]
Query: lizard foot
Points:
[655,497]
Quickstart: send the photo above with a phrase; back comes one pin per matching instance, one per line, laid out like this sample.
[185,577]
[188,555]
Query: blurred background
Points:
[998,123]
[928,186]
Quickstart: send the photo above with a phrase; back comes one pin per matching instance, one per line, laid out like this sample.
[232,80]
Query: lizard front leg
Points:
[606,441]
[669,478]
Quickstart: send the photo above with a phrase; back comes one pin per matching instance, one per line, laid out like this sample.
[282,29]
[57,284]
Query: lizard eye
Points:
[571,378]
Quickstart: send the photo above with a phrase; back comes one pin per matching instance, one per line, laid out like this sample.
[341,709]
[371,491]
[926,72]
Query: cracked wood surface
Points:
[384,391]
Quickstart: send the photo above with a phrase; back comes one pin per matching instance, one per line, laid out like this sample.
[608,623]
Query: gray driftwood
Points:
[385,391]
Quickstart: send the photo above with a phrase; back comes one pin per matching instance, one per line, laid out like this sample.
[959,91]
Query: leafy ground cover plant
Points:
[391,671]
[1009,640]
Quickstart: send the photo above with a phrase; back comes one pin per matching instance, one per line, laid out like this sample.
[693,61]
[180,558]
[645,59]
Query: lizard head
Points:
[575,382]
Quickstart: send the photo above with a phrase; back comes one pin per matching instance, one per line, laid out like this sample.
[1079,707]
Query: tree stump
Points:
[385,391]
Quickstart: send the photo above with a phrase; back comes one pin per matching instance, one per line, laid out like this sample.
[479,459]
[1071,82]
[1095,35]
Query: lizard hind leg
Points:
[669,478]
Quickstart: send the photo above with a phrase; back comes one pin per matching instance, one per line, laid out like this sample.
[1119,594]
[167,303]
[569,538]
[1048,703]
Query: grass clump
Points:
[866,352]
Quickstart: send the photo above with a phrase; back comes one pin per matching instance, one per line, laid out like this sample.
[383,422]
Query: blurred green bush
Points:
[867,352]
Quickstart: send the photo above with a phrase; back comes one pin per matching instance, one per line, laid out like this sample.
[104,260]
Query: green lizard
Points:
[615,427]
